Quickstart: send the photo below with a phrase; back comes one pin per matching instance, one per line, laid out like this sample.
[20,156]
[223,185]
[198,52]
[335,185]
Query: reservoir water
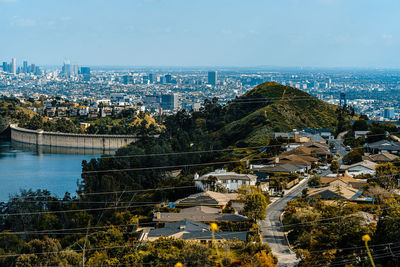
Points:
[31,167]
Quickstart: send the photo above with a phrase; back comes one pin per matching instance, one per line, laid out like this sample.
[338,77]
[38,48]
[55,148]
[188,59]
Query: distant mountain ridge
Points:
[271,107]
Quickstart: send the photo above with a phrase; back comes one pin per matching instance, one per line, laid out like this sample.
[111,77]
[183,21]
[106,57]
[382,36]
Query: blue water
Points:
[29,167]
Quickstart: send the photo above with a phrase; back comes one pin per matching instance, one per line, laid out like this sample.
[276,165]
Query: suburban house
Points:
[190,230]
[344,179]
[208,198]
[383,146]
[279,168]
[358,134]
[229,181]
[301,136]
[198,214]
[311,150]
[294,159]
[382,157]
[363,167]
[338,190]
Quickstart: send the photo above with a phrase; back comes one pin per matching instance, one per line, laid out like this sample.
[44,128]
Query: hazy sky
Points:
[319,33]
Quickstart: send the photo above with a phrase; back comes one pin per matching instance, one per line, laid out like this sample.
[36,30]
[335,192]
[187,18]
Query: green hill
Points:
[272,107]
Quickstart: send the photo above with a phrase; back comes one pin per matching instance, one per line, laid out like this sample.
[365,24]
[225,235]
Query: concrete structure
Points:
[87,141]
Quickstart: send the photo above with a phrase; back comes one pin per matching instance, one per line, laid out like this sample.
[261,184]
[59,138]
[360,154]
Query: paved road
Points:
[272,232]
[341,149]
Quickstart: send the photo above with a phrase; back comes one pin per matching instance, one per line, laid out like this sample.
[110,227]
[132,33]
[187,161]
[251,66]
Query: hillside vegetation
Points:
[272,107]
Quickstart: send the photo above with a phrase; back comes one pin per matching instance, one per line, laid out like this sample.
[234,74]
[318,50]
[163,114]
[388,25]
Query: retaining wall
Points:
[86,141]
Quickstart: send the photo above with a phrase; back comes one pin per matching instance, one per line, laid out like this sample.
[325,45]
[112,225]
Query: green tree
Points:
[353,156]
[376,134]
[315,180]
[360,125]
[35,123]
[255,205]
[334,165]
[3,123]
[386,175]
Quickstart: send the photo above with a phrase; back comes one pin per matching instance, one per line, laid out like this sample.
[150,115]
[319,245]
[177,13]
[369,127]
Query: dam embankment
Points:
[69,140]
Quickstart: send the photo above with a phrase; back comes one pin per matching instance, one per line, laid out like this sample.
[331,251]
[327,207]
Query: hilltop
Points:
[272,107]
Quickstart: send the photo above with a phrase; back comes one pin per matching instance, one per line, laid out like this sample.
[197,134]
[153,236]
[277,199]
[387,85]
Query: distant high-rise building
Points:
[170,101]
[168,78]
[342,100]
[85,71]
[67,69]
[25,67]
[127,79]
[388,113]
[5,66]
[14,66]
[212,77]
[32,68]
[151,78]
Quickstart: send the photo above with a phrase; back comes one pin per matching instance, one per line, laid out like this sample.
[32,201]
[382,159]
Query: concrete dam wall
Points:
[85,141]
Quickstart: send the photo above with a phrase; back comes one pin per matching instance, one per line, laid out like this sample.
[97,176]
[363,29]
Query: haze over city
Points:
[290,33]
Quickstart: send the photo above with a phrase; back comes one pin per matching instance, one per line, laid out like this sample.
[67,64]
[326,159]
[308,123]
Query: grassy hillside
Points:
[271,107]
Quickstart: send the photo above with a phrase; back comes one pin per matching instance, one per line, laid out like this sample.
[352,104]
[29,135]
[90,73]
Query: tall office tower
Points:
[388,113]
[170,101]
[85,71]
[342,100]
[32,68]
[5,66]
[67,69]
[37,70]
[25,67]
[212,77]
[127,79]
[151,78]
[168,78]
[75,70]
[14,66]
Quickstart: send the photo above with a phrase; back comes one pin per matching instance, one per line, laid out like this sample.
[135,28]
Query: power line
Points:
[111,192]
[193,152]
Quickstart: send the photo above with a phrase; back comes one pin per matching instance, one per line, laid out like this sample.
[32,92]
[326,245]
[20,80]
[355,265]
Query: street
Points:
[272,232]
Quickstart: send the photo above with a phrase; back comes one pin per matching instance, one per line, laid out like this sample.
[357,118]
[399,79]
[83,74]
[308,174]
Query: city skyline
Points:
[312,33]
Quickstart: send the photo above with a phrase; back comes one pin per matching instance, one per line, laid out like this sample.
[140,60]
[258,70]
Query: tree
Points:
[360,125]
[386,175]
[3,123]
[376,134]
[315,180]
[334,165]
[255,205]
[35,123]
[353,157]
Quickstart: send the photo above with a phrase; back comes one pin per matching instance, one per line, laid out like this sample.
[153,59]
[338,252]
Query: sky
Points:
[238,33]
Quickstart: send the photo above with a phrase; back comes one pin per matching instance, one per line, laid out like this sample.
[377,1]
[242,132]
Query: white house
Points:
[231,181]
[363,167]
